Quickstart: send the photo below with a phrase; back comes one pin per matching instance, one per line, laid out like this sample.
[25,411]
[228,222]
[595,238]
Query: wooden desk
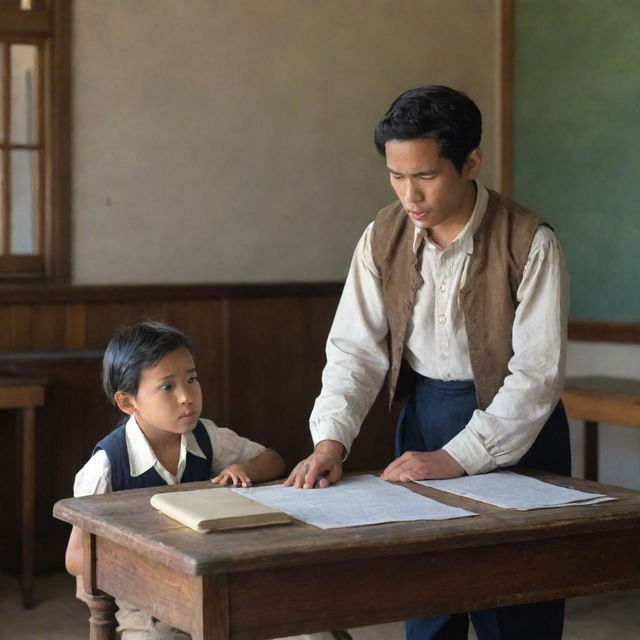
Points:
[289,579]
[25,394]
[601,399]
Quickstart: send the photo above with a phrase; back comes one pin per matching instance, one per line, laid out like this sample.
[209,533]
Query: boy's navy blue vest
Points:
[115,446]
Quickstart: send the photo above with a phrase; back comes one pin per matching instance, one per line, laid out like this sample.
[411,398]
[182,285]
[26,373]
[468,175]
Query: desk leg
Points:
[102,623]
[28,503]
[590,450]
[211,601]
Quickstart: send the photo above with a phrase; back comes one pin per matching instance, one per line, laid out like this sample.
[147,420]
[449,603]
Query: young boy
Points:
[150,375]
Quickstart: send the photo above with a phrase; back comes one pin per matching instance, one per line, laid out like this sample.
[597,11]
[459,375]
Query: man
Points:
[467,292]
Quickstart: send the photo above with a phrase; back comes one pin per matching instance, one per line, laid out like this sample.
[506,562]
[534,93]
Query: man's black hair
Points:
[136,347]
[435,112]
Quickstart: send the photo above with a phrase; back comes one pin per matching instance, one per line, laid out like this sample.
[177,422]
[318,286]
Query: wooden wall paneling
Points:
[6,323]
[103,318]
[75,416]
[275,363]
[202,321]
[20,328]
[75,326]
[373,448]
[47,327]
[9,490]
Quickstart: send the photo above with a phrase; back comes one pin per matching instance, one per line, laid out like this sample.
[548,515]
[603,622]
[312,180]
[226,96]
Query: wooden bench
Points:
[25,394]
[595,399]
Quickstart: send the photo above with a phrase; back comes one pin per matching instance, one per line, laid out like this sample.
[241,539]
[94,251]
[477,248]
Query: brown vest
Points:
[501,246]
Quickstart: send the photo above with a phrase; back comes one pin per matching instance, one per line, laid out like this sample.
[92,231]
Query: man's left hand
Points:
[422,465]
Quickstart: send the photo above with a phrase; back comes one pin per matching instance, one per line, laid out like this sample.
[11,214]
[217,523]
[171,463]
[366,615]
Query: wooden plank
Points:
[17,22]
[211,622]
[600,331]
[282,602]
[145,583]
[55,293]
[16,393]
[75,327]
[603,399]
[275,360]
[48,327]
[20,329]
[129,520]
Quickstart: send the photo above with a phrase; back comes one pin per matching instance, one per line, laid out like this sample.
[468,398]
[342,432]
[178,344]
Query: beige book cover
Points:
[217,508]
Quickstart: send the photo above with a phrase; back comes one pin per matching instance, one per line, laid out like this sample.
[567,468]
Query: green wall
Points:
[577,142]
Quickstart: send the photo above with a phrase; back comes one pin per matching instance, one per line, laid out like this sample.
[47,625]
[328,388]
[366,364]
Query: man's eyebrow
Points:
[421,172]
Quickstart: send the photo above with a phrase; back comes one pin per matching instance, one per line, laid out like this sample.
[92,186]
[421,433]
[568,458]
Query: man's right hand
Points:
[323,466]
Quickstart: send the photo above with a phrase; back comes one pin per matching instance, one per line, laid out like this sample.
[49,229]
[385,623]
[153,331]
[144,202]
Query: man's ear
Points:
[472,164]
[125,402]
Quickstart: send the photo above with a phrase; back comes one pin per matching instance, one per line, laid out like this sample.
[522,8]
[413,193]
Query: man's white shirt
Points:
[436,346]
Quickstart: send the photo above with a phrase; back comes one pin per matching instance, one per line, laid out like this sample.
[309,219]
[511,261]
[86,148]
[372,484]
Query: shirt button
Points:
[442,319]
[442,287]
[444,356]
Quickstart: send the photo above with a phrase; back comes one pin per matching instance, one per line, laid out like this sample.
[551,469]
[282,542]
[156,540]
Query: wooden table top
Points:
[603,385]
[17,393]
[128,519]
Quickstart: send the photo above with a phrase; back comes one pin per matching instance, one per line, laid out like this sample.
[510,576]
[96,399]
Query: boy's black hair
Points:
[435,112]
[136,347]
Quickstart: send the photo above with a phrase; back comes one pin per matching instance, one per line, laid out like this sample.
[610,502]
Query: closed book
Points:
[216,509]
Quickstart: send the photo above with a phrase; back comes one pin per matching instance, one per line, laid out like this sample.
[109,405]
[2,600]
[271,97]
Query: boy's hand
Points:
[323,466]
[235,474]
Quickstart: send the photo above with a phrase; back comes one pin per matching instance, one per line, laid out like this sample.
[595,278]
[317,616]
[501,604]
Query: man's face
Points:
[434,195]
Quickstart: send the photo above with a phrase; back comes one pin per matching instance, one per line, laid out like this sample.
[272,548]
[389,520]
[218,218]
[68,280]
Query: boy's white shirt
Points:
[228,448]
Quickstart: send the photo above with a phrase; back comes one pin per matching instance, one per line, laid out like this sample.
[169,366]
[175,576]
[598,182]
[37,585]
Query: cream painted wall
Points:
[230,140]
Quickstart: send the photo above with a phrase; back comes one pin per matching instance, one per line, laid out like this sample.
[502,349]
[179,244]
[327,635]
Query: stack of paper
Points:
[354,501]
[514,491]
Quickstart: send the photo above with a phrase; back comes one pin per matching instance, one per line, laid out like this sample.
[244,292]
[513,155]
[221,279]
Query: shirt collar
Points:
[141,455]
[465,237]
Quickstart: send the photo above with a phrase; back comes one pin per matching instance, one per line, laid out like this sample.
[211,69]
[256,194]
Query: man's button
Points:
[442,319]
[442,287]
[444,356]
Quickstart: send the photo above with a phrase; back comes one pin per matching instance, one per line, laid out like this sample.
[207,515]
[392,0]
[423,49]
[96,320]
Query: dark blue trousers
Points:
[434,413]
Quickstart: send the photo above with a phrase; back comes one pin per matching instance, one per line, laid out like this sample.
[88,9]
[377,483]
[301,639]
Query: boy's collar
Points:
[141,455]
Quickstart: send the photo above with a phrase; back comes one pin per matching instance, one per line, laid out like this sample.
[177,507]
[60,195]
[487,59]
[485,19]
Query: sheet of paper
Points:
[354,501]
[514,491]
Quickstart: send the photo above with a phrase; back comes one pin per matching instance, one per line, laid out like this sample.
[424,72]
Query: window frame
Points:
[50,28]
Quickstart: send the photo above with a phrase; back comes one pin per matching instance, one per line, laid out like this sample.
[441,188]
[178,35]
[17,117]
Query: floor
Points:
[59,616]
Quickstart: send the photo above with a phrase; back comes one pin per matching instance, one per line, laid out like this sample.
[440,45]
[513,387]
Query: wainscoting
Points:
[260,355]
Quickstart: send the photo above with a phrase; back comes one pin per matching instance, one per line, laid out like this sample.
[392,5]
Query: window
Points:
[34,140]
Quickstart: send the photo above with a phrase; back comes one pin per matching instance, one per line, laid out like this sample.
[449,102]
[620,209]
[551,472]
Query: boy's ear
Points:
[125,402]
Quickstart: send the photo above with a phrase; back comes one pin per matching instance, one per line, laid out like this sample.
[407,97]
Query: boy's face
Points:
[169,398]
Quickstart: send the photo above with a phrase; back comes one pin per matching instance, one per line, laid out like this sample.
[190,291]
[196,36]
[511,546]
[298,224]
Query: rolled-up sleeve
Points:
[357,357]
[502,433]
